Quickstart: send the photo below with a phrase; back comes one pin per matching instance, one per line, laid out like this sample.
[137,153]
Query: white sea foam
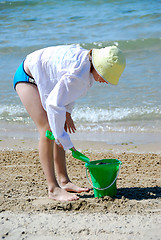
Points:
[98,115]
[90,115]
[14,113]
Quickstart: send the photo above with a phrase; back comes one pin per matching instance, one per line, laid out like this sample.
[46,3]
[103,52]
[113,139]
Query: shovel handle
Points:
[49,135]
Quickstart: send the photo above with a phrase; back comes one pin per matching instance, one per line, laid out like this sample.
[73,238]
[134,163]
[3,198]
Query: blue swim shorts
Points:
[22,76]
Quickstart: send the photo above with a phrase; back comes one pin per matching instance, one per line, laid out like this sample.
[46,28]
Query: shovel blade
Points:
[80,156]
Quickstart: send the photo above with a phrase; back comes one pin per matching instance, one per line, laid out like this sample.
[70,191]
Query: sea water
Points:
[132,108]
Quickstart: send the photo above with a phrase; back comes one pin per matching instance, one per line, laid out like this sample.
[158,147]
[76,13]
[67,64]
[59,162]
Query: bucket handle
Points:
[107,186]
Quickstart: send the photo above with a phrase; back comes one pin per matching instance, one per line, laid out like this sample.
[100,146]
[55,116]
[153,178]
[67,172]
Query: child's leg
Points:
[62,176]
[30,98]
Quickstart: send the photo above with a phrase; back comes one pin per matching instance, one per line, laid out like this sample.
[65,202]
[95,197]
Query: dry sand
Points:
[27,213]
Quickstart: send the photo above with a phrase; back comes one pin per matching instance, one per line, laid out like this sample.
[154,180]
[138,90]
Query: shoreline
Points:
[25,137]
[26,144]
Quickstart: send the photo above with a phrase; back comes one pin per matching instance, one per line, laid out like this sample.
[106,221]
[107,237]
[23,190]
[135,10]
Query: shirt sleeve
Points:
[66,91]
[69,107]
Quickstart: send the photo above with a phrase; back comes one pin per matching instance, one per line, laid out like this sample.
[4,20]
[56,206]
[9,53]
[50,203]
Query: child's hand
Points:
[69,124]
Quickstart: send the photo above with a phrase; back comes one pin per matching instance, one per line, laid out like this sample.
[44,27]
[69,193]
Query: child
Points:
[48,82]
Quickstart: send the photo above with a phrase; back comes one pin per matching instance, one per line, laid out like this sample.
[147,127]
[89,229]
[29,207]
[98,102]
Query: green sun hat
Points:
[109,63]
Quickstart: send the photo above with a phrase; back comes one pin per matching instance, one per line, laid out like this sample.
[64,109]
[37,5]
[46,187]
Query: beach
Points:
[27,213]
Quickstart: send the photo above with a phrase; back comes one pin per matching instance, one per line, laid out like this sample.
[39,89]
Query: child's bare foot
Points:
[62,195]
[71,187]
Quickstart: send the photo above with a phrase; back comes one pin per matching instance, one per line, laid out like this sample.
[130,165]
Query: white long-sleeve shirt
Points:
[62,75]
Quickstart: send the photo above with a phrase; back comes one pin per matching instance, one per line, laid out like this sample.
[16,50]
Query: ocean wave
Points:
[134,120]
[14,113]
[134,127]
[125,45]
[91,115]
[128,45]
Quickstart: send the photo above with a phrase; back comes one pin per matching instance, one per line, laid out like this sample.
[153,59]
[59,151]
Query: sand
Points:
[27,213]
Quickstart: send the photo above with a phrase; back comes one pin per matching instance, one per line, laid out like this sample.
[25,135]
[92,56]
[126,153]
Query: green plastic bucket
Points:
[104,174]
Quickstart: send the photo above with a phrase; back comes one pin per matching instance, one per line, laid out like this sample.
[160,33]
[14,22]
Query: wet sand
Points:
[27,213]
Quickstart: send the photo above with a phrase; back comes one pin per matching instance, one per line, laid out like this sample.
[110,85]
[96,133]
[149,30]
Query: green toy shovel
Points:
[76,154]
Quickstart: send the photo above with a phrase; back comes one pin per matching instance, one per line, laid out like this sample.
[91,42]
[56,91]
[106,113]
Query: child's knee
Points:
[43,128]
